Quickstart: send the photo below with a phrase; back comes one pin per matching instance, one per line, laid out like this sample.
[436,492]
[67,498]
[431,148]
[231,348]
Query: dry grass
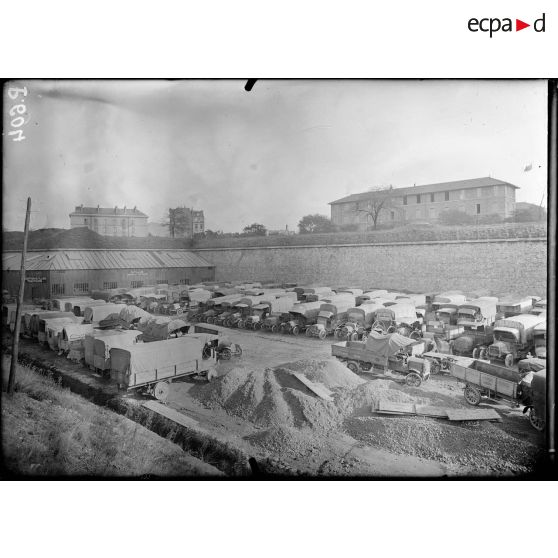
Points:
[49,431]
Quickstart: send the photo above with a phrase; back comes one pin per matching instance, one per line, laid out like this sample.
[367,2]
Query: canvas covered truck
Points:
[446,299]
[392,352]
[368,295]
[217,306]
[485,380]
[94,314]
[31,322]
[272,306]
[90,351]
[313,294]
[150,368]
[359,322]
[513,307]
[514,338]
[329,318]
[162,328]
[301,316]
[71,340]
[399,316]
[478,312]
[49,330]
[103,344]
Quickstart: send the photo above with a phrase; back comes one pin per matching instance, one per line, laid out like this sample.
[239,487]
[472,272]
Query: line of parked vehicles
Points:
[411,334]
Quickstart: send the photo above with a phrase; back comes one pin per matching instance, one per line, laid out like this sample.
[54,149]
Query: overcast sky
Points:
[271,155]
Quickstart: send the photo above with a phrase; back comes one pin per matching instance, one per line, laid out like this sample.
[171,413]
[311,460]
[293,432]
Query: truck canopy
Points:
[403,312]
[93,314]
[444,299]
[336,308]
[133,314]
[364,313]
[72,332]
[520,326]
[159,329]
[340,298]
[483,306]
[515,305]
[387,345]
[143,358]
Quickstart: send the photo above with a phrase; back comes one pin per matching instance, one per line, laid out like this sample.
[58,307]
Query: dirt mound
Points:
[273,397]
[331,373]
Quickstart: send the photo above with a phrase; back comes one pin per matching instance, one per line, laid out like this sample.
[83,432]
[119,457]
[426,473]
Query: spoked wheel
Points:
[161,391]
[322,334]
[337,333]
[483,354]
[415,335]
[257,326]
[472,395]
[435,368]
[308,332]
[241,324]
[353,366]
[274,329]
[476,353]
[353,336]
[226,353]
[391,329]
[508,361]
[537,423]
[413,379]
[210,320]
[296,330]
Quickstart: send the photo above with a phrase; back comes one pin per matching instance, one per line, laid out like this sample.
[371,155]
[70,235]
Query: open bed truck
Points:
[385,352]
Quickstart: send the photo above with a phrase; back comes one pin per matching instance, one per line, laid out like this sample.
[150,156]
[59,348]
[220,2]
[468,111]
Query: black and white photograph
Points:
[275,279]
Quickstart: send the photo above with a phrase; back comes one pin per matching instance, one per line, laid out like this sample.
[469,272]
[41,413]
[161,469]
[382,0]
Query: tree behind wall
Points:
[315,223]
[379,200]
[178,222]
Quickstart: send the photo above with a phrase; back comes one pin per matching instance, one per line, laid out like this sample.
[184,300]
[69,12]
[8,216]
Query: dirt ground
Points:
[353,440]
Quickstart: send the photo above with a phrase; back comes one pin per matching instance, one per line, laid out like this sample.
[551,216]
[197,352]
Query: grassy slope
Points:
[47,430]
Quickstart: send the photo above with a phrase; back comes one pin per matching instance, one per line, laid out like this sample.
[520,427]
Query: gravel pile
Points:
[287,441]
[478,447]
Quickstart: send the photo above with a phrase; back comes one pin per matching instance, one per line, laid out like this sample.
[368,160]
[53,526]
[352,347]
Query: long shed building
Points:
[69,272]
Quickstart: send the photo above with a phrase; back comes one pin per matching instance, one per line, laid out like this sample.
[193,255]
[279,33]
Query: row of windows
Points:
[81,287]
[60,289]
[110,285]
[422,197]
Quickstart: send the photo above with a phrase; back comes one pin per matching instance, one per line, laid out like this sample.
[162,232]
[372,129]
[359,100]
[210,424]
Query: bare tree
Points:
[380,199]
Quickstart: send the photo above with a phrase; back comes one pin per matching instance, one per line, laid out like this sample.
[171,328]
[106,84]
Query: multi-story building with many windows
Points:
[186,222]
[110,221]
[476,196]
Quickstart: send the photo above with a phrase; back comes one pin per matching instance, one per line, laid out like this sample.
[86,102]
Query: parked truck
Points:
[513,307]
[359,322]
[392,352]
[330,316]
[399,316]
[514,338]
[301,315]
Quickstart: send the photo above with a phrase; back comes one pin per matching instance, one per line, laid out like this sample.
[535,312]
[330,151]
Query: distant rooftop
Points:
[82,210]
[429,188]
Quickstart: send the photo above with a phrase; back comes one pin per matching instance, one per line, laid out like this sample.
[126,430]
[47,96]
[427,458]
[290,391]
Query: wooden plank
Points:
[319,389]
[396,408]
[473,414]
[429,411]
[171,414]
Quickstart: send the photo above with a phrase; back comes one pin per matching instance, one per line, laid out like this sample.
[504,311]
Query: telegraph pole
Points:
[15,345]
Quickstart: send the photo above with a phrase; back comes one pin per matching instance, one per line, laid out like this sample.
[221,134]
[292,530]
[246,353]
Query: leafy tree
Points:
[178,222]
[255,229]
[455,217]
[529,213]
[378,201]
[315,223]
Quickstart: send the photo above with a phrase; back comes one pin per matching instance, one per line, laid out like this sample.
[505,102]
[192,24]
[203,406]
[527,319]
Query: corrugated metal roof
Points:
[102,259]
[429,188]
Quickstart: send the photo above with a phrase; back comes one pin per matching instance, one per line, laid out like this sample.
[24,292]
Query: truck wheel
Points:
[295,330]
[435,368]
[472,395]
[226,353]
[483,354]
[475,353]
[353,366]
[274,329]
[210,320]
[161,391]
[413,379]
[536,422]
[308,332]
[391,329]
[508,361]
[415,335]
[322,334]
[354,336]
[337,333]
[257,326]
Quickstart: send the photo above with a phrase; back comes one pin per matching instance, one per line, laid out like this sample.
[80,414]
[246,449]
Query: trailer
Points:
[483,379]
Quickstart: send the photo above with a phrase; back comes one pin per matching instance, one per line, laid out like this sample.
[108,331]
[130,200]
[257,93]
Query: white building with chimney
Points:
[110,221]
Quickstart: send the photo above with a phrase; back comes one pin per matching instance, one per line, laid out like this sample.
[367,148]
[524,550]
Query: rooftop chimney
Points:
[98,209]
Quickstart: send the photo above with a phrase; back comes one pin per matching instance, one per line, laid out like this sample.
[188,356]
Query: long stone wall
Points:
[496,266]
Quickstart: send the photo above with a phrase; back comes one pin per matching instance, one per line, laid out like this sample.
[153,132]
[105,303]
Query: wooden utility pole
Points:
[15,345]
